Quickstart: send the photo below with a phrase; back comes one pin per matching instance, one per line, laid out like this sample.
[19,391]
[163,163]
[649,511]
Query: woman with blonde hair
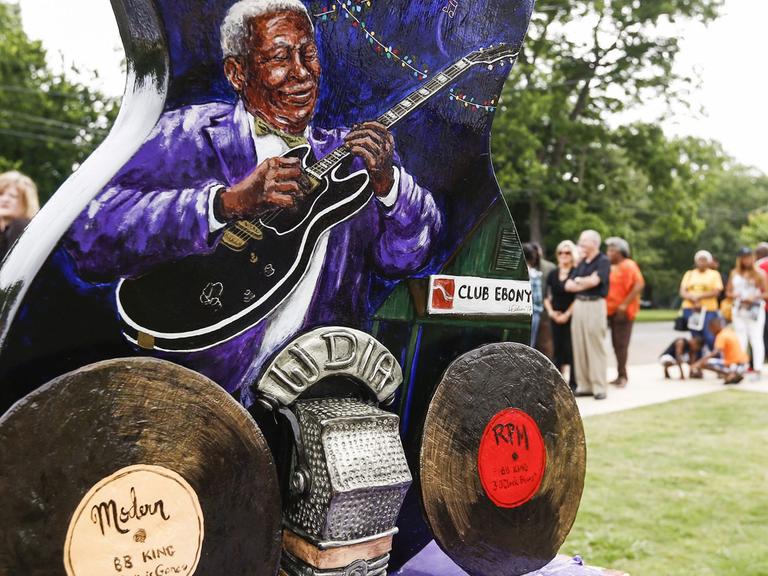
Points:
[748,288]
[559,306]
[18,204]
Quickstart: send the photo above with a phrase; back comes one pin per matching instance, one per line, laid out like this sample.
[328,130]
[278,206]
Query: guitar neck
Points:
[424,92]
[407,105]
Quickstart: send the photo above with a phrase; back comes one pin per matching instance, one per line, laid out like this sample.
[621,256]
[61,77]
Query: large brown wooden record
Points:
[519,532]
[60,441]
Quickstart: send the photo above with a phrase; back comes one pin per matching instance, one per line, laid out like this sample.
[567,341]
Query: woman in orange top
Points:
[699,290]
[623,301]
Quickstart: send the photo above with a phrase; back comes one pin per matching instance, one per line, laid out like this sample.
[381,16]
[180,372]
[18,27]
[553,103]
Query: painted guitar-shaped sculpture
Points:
[200,301]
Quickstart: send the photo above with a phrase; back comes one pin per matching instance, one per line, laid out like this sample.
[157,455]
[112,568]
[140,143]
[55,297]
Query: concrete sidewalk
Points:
[646,376]
[647,386]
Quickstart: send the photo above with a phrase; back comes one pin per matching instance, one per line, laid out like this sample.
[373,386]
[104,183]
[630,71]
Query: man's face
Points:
[587,246]
[281,72]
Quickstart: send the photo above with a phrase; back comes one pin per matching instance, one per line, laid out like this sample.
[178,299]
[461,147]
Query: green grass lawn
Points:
[657,315]
[678,489]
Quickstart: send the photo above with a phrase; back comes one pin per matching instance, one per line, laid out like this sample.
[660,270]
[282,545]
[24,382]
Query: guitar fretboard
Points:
[399,111]
[424,93]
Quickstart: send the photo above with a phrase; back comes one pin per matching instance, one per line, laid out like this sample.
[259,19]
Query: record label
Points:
[140,521]
[512,458]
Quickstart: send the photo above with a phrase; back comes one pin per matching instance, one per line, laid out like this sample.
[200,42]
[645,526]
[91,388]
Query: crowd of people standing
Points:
[726,317]
[584,296]
[588,293]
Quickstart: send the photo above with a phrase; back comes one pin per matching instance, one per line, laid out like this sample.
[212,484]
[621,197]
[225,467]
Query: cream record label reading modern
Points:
[140,521]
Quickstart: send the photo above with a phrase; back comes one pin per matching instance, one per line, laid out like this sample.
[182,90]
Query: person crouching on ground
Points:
[679,352]
[623,301]
[728,358]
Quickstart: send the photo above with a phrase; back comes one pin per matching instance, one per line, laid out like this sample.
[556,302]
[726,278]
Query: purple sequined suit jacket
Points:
[156,210]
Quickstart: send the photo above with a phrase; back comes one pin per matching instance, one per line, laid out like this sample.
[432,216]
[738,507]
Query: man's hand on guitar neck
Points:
[275,183]
[374,143]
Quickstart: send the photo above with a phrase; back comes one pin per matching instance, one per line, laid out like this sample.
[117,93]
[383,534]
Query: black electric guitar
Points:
[200,301]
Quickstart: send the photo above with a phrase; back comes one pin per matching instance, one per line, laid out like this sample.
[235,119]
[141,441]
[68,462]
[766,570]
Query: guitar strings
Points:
[337,154]
[431,85]
[340,153]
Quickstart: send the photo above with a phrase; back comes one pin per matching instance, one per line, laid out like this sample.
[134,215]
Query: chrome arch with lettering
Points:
[331,351]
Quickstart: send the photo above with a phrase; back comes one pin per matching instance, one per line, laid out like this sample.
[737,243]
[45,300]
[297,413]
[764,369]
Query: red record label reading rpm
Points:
[512,458]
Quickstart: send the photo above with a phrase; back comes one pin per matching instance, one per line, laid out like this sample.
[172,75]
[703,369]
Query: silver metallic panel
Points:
[359,475]
[331,351]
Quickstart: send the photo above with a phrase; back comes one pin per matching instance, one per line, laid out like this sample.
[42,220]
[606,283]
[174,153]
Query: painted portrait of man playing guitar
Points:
[209,169]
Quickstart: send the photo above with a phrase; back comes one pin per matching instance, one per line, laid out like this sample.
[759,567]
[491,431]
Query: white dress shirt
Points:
[287,318]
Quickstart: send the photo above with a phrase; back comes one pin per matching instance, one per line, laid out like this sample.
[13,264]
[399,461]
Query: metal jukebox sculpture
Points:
[269,326]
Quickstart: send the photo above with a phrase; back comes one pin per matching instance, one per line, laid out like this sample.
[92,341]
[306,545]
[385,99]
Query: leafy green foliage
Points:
[756,229]
[564,165]
[48,123]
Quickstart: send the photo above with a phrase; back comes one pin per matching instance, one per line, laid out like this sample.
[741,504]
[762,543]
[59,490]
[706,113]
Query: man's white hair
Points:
[234,28]
[592,235]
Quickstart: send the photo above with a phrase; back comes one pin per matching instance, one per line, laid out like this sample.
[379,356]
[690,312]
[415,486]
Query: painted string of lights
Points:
[469,101]
[353,11]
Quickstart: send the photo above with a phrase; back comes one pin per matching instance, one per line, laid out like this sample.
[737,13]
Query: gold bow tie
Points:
[261,128]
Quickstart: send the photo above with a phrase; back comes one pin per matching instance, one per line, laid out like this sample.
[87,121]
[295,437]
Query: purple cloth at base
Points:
[434,562]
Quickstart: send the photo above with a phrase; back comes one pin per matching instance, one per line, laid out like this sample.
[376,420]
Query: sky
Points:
[727,57]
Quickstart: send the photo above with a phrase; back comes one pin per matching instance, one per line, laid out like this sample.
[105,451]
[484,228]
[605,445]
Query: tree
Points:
[756,229]
[738,193]
[552,131]
[48,124]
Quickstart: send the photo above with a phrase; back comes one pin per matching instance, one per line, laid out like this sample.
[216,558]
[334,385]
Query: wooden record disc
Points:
[503,459]
[136,467]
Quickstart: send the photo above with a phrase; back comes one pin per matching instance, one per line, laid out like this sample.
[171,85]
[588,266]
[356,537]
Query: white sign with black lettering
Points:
[469,295]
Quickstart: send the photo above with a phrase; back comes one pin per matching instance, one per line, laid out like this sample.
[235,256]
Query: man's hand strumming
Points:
[275,183]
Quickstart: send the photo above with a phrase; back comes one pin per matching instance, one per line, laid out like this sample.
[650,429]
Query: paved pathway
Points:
[646,378]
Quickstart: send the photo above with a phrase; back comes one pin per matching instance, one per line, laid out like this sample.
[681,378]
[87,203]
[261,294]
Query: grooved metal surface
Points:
[358,469]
